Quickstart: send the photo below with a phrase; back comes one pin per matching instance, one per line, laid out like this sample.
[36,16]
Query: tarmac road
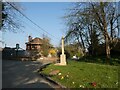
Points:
[22,74]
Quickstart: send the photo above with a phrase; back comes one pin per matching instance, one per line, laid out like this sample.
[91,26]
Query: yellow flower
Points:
[81,86]
[59,73]
[67,75]
[73,82]
[62,77]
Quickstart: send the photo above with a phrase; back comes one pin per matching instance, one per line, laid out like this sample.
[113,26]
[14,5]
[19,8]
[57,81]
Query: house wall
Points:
[9,53]
[33,47]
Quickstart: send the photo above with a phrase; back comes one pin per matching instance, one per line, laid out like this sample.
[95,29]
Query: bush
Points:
[52,52]
[78,54]
[45,53]
[67,54]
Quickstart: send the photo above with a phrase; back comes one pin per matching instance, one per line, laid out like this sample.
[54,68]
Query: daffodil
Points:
[81,86]
[73,82]
[67,75]
[62,77]
[59,73]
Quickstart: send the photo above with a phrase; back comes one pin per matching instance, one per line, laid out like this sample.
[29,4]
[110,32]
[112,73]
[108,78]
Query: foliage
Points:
[10,17]
[66,53]
[85,75]
[52,52]
[79,54]
[45,53]
[115,60]
[71,50]
[46,46]
[35,54]
[74,49]
[92,24]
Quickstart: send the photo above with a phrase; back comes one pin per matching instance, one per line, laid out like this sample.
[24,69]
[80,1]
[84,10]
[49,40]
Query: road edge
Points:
[48,78]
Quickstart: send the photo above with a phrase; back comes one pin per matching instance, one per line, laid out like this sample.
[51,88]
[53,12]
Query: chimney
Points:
[29,38]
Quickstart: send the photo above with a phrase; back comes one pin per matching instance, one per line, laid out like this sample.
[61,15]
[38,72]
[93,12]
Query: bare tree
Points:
[97,22]
[10,16]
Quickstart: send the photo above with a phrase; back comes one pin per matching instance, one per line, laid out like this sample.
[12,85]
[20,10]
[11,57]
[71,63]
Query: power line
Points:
[36,29]
[31,20]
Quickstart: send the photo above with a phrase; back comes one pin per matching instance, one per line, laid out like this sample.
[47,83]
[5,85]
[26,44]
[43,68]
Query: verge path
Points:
[23,74]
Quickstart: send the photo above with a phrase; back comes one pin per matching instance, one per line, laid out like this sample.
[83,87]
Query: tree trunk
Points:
[82,42]
[106,35]
[107,43]
[82,48]
[107,46]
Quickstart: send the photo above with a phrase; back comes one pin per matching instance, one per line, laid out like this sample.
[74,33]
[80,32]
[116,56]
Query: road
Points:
[22,74]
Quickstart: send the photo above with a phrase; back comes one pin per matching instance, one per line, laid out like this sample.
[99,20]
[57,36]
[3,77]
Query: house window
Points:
[33,47]
[28,47]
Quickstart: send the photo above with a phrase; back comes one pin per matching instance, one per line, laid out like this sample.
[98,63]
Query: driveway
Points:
[22,74]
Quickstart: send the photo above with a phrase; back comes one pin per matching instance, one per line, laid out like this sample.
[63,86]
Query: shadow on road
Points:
[34,85]
[22,74]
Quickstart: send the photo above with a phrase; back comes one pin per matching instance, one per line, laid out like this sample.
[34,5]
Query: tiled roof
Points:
[35,41]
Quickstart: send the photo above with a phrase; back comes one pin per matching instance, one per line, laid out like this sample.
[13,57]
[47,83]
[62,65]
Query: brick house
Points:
[33,44]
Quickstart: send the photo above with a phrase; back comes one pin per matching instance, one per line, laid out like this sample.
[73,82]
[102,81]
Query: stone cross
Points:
[63,56]
[62,45]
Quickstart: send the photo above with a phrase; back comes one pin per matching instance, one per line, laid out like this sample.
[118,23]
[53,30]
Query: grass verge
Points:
[85,75]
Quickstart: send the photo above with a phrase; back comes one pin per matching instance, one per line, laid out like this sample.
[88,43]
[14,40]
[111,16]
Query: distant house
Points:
[33,44]
[10,53]
[38,47]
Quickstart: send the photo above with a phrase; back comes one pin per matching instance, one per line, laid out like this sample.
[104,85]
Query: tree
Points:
[105,17]
[46,46]
[10,16]
[3,15]
[75,32]
[74,49]
[95,22]
[81,27]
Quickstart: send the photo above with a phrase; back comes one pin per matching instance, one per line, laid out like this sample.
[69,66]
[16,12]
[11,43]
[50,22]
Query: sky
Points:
[47,15]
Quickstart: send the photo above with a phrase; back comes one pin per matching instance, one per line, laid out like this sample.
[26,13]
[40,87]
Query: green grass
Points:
[82,74]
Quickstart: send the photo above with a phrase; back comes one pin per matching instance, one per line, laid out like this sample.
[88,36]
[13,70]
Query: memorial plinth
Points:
[62,56]
[62,59]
